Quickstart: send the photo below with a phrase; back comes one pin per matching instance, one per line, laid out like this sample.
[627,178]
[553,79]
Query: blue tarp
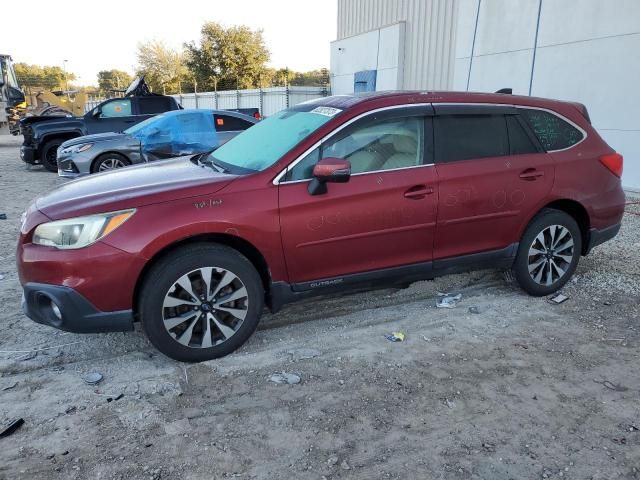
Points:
[178,132]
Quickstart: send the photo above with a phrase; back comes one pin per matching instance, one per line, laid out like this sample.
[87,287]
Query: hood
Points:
[130,187]
[97,137]
[47,118]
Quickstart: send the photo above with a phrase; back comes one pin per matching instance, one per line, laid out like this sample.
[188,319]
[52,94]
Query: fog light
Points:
[56,310]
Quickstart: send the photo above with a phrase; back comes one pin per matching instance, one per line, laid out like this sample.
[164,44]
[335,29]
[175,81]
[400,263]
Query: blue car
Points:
[170,134]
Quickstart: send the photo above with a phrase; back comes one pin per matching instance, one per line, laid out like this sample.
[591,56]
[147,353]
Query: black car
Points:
[44,134]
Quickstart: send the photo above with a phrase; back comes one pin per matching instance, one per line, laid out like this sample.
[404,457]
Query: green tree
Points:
[163,68]
[225,58]
[109,80]
[37,77]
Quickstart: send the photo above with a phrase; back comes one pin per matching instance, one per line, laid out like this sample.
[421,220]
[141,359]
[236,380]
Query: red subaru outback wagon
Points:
[336,193]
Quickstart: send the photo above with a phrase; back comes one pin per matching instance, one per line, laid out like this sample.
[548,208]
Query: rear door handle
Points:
[418,191]
[531,174]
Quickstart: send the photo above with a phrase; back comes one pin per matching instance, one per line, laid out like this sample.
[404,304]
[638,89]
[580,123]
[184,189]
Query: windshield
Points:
[260,146]
[142,125]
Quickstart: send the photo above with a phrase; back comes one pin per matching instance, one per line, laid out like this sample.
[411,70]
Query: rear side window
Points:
[553,132]
[227,123]
[154,104]
[463,137]
[519,141]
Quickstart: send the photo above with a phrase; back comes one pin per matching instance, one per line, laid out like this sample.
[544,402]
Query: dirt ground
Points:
[523,389]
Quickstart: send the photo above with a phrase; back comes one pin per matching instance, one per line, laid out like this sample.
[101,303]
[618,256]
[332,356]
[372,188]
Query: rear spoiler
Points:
[581,107]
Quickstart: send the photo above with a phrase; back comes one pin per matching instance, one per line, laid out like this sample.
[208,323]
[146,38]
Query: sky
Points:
[94,37]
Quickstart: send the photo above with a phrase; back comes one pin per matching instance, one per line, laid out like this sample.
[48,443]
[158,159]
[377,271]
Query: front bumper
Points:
[64,308]
[599,236]
[67,168]
[28,154]
[73,165]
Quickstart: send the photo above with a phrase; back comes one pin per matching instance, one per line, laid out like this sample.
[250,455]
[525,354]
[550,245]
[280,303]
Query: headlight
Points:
[83,147]
[81,231]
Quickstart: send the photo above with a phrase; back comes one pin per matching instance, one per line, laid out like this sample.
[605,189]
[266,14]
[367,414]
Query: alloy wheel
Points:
[550,255]
[111,164]
[205,307]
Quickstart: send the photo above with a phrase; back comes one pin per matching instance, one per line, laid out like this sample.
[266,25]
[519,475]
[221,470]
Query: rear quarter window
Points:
[228,123]
[553,132]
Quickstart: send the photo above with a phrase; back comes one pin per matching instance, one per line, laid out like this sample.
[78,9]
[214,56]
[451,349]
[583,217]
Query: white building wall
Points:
[426,61]
[585,51]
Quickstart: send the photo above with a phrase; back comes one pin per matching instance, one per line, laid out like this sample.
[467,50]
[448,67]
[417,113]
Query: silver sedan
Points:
[171,134]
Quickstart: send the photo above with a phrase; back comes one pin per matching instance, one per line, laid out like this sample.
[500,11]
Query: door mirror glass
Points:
[334,170]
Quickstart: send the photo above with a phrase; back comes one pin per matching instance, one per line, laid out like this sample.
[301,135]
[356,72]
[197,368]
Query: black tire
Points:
[106,158]
[547,265]
[162,278]
[49,155]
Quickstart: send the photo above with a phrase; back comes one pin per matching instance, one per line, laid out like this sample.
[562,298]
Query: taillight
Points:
[613,162]
[256,115]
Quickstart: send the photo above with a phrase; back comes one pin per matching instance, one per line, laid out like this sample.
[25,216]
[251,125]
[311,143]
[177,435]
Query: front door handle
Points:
[531,174]
[418,191]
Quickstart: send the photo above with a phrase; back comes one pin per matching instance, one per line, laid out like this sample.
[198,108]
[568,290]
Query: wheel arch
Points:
[578,212]
[56,136]
[239,244]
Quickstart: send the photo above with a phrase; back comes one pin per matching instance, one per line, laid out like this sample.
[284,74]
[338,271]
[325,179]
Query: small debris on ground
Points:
[448,300]
[11,427]
[611,386]
[344,465]
[1,276]
[304,353]
[395,337]
[27,356]
[333,460]
[92,378]
[558,299]
[283,377]
[116,398]
[3,216]
[10,386]
[475,310]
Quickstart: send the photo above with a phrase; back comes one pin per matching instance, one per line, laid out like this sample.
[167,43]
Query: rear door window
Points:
[463,137]
[228,123]
[153,105]
[519,141]
[553,132]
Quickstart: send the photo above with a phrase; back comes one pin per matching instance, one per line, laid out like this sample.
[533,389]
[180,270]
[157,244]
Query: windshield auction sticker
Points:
[326,111]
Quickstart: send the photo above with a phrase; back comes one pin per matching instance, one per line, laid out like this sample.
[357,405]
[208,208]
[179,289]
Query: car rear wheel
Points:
[49,155]
[201,302]
[110,161]
[548,253]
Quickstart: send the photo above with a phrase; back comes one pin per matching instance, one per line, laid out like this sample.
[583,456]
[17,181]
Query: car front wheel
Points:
[201,302]
[548,253]
[110,161]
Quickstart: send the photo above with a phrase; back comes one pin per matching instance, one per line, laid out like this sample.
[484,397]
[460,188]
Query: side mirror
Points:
[334,170]
[96,112]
